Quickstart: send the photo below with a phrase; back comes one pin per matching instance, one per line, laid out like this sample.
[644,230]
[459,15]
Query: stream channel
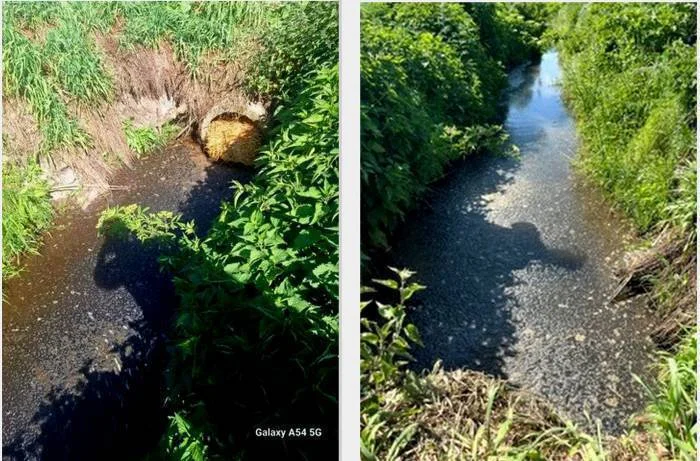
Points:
[517,255]
[84,325]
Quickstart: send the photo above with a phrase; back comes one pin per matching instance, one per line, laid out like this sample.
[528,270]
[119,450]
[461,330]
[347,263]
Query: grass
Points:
[26,212]
[468,415]
[53,64]
[672,412]
[194,29]
[629,77]
[26,76]
[144,140]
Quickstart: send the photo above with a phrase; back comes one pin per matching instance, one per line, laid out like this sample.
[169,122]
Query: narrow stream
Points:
[84,325]
[517,255]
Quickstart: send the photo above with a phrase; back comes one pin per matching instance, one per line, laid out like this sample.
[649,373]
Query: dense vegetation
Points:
[25,198]
[629,75]
[432,82]
[256,330]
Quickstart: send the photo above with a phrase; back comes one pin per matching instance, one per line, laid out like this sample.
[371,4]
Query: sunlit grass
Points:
[144,140]
[672,413]
[26,212]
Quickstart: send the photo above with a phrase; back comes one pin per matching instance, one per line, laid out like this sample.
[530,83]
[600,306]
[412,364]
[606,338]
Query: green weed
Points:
[259,293]
[629,76]
[144,140]
[195,28]
[26,212]
[672,413]
[294,44]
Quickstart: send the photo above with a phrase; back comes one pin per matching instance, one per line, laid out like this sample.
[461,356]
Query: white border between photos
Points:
[349,379]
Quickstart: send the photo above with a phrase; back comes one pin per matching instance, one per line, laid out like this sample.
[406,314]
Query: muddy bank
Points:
[84,325]
[518,258]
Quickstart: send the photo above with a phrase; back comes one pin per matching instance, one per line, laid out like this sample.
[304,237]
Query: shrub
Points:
[431,92]
[259,293]
[303,37]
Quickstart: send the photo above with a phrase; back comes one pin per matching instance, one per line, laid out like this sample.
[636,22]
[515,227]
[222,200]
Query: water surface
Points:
[84,325]
[518,258]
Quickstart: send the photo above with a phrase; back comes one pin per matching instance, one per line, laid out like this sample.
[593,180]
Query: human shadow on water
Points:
[469,265]
[117,409]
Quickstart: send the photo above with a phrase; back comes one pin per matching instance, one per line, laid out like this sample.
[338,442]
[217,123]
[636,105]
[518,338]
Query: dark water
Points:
[517,255]
[83,327]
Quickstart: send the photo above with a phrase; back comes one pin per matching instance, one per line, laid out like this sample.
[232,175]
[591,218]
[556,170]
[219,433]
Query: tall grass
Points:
[629,76]
[26,212]
[75,62]
[630,79]
[26,76]
[672,412]
[195,28]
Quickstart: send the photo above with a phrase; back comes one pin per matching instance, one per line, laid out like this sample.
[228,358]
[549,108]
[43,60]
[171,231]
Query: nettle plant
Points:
[259,293]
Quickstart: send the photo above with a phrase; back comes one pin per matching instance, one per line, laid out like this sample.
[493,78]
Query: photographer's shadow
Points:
[120,413]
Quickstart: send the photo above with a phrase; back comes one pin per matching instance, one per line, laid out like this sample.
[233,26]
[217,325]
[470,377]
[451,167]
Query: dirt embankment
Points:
[667,272]
[151,88]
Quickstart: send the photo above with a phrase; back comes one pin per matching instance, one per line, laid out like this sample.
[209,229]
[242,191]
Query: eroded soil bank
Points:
[518,255]
[84,324]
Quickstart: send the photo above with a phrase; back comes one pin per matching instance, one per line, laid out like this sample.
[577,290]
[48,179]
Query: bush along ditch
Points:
[255,335]
[432,86]
[91,86]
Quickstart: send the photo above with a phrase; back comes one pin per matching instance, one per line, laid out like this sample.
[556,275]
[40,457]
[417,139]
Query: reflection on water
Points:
[517,258]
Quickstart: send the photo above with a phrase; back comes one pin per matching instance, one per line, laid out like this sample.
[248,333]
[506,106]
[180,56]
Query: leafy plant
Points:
[259,293]
[384,352]
[302,38]
[431,91]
